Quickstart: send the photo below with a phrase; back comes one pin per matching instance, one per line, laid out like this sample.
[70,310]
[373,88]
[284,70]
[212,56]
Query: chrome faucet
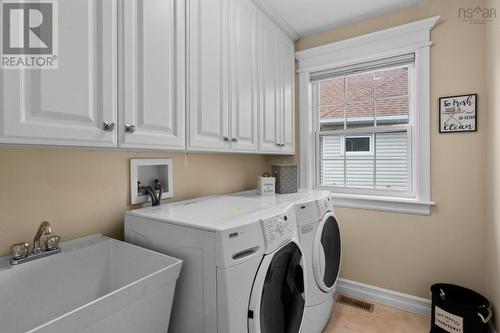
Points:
[44,245]
[40,240]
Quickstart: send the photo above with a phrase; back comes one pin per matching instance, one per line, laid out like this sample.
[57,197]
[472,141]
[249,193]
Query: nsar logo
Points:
[477,15]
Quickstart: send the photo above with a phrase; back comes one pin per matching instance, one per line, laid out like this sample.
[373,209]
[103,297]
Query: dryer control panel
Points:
[279,230]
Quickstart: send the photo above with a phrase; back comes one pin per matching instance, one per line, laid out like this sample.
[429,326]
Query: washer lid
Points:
[327,253]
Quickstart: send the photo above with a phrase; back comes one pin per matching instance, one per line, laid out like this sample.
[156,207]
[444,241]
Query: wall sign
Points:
[458,114]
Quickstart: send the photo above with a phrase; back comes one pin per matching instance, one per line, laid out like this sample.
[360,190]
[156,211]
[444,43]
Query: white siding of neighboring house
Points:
[391,151]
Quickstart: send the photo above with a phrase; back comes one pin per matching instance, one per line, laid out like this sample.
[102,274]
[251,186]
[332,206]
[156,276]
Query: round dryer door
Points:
[327,253]
[277,301]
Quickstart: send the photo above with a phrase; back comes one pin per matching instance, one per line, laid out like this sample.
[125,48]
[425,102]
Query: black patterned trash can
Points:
[286,177]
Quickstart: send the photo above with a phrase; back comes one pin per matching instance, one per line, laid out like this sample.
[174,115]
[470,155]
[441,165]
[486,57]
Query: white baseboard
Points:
[387,297]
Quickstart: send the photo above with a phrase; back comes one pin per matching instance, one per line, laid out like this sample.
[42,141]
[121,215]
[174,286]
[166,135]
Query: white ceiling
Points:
[305,17]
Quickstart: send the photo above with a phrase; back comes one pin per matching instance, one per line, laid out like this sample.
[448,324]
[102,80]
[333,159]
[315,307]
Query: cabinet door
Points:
[152,74]
[244,75]
[287,72]
[208,74]
[270,128]
[68,105]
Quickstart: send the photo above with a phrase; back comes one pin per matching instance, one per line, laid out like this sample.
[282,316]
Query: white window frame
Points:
[409,38]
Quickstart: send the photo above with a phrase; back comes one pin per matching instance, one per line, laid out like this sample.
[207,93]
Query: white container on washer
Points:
[266,185]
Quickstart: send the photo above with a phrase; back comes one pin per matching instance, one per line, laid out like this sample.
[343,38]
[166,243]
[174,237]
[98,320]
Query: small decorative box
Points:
[266,184]
[286,177]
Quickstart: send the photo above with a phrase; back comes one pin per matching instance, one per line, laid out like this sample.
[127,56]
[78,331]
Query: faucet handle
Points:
[19,250]
[53,242]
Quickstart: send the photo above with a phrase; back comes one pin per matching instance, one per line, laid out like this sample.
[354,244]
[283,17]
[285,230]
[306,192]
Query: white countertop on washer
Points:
[212,213]
[221,212]
[279,199]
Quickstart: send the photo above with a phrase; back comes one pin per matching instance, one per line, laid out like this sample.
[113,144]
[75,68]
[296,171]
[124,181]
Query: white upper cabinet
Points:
[243,59]
[197,75]
[287,56]
[152,76]
[277,116]
[208,53]
[68,105]
[241,72]
[270,94]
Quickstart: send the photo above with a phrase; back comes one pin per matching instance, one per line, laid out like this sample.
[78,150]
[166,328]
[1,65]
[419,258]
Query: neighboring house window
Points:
[358,144]
[363,126]
[365,119]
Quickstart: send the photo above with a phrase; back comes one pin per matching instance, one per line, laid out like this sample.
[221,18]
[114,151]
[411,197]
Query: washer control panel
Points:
[326,203]
[278,230]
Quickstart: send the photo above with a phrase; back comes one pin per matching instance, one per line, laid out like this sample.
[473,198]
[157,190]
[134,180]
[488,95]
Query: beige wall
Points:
[493,159]
[409,253]
[83,192]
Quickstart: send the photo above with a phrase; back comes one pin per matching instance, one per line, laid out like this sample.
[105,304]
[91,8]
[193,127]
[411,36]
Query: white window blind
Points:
[395,61]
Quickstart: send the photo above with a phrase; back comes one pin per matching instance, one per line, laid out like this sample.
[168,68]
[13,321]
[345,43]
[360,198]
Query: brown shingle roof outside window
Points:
[380,93]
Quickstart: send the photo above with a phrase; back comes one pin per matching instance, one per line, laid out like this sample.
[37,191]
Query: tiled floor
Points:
[384,319]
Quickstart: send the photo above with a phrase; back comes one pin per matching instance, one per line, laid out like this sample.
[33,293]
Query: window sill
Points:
[386,204]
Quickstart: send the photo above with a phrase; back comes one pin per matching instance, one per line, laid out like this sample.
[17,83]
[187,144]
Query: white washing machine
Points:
[243,267]
[319,236]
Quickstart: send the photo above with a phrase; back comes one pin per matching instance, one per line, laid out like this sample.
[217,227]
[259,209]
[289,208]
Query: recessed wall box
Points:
[146,171]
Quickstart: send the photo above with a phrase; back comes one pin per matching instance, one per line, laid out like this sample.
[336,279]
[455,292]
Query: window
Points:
[363,125]
[358,144]
[365,119]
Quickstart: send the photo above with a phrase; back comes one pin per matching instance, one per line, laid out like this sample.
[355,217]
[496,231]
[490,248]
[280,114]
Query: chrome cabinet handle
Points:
[109,126]
[225,139]
[130,128]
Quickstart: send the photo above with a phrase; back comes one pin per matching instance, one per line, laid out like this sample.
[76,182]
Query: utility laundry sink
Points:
[96,284]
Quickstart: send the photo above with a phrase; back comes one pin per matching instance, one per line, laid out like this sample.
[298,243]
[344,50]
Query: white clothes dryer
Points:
[243,270]
[319,235]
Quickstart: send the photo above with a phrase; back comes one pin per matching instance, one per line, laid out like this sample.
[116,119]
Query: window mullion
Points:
[374,137]
[343,142]
[373,102]
[345,161]
[374,161]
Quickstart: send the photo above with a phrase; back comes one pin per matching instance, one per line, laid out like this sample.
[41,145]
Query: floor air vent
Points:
[356,303]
